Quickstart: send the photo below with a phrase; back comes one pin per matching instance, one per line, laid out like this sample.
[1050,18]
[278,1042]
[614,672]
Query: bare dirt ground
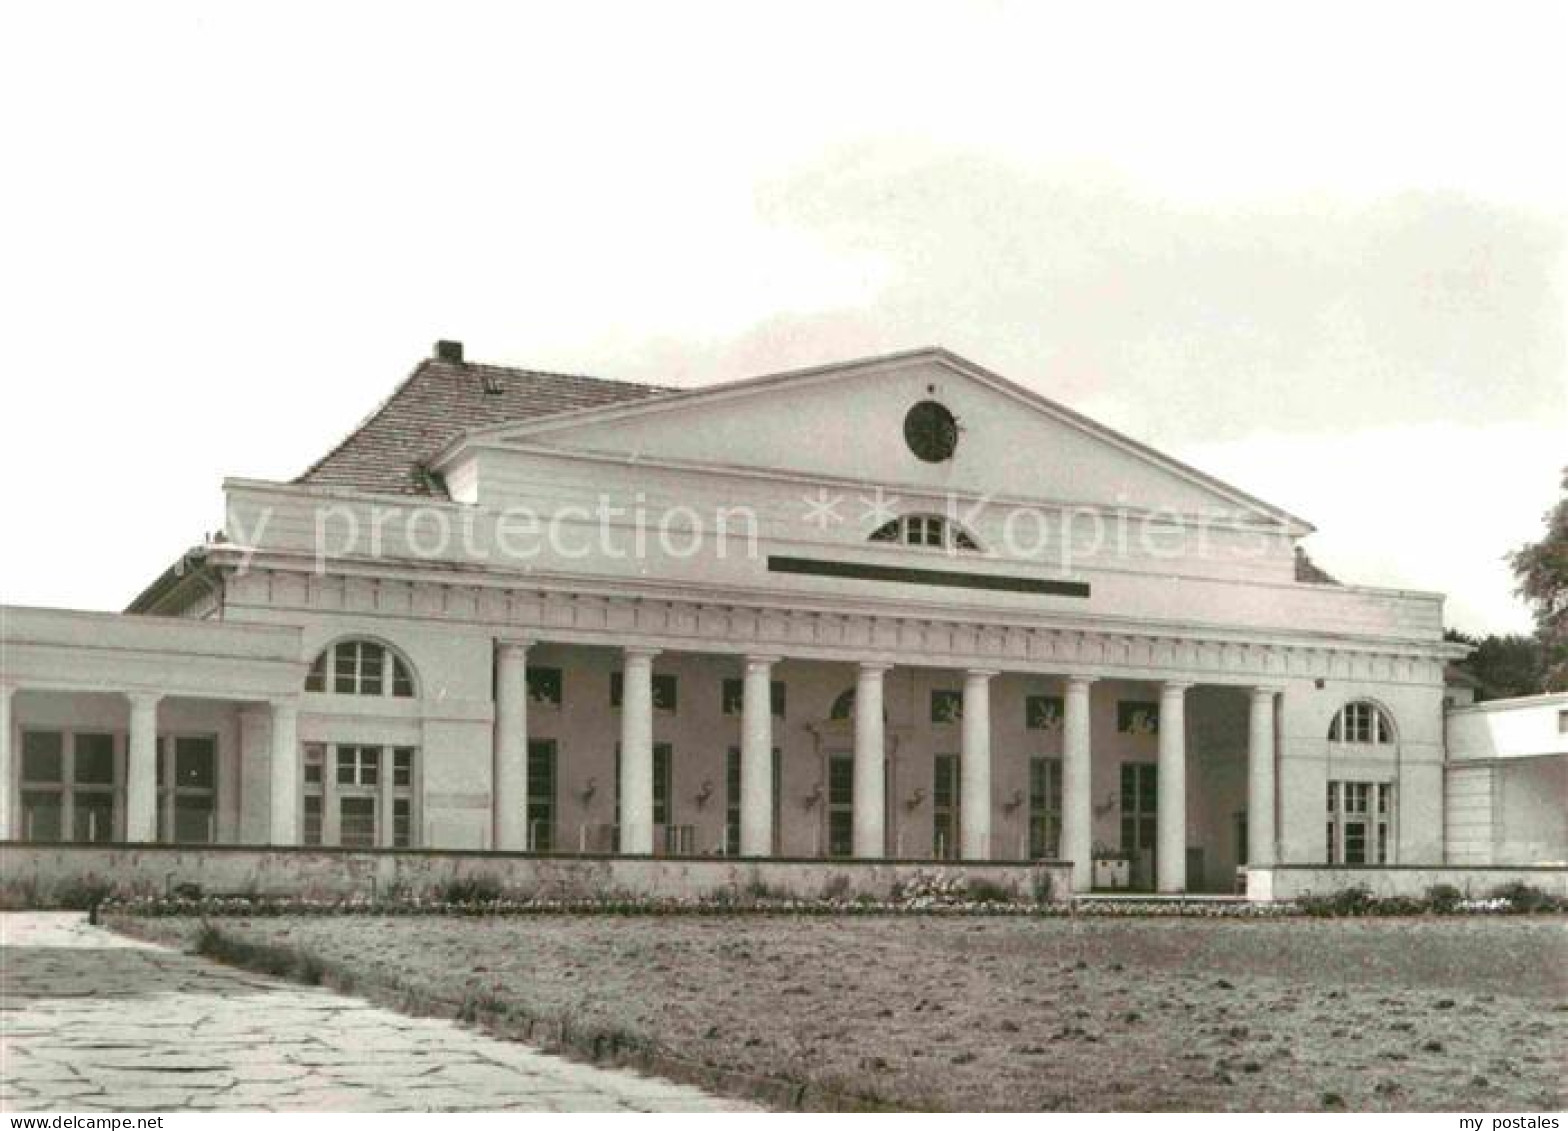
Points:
[1024,1014]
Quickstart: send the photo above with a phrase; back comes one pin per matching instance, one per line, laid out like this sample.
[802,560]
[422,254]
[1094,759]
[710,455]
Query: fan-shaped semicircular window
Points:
[925,530]
[1363,722]
[361,667]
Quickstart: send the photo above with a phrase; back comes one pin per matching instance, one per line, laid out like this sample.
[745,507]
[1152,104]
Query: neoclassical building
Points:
[891,608]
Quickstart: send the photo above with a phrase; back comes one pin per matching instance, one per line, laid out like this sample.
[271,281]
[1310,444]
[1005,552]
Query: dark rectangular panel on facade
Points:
[952,579]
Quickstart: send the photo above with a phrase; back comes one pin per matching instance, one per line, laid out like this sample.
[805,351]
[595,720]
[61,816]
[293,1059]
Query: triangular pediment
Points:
[846,422]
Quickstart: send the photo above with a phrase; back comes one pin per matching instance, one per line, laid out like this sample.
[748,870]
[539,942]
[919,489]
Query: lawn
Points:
[1015,1014]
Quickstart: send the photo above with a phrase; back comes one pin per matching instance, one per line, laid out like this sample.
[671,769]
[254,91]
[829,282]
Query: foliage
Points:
[1443,899]
[1516,898]
[989,891]
[1524,899]
[82,892]
[1507,666]
[1541,569]
[1356,900]
[836,887]
[481,888]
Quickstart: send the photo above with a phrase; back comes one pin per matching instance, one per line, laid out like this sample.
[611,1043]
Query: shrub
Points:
[19,895]
[481,888]
[1398,905]
[989,891]
[1355,900]
[1040,887]
[81,892]
[836,888]
[1444,899]
[932,889]
[1525,899]
[758,889]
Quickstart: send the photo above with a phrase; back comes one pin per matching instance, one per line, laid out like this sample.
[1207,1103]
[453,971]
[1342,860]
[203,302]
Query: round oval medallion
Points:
[931,431]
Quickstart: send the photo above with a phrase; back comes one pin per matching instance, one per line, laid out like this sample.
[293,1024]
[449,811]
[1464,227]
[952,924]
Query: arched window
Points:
[1362,722]
[361,667]
[925,530]
[844,707]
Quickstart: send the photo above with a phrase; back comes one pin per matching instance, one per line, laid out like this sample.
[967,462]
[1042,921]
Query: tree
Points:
[1542,571]
[1506,666]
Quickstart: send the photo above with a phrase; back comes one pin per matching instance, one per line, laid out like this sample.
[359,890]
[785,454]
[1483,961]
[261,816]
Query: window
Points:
[544,687]
[1045,809]
[1360,822]
[925,530]
[1137,718]
[70,786]
[735,695]
[1044,712]
[1562,722]
[1362,722]
[945,801]
[361,667]
[358,796]
[947,706]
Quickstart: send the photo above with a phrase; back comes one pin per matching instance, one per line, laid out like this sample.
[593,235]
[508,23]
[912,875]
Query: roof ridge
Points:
[555,373]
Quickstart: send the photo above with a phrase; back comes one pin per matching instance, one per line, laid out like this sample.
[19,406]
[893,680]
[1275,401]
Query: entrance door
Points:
[1140,798]
[1045,808]
[841,805]
[187,784]
[945,807]
[732,801]
[541,794]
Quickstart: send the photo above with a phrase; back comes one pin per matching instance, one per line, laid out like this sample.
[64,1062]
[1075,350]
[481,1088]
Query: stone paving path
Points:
[93,1021]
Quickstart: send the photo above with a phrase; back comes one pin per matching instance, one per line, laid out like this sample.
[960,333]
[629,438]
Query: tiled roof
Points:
[439,401]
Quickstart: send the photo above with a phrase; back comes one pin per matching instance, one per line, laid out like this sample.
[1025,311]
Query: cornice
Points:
[374,578]
[721,624]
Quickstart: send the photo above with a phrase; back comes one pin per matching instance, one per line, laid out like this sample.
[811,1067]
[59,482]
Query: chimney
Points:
[449,351]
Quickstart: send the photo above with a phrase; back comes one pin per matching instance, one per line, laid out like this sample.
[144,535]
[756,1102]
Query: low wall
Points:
[1291,880]
[43,874]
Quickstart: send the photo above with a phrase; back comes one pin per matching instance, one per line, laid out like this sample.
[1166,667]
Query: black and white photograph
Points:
[784,558]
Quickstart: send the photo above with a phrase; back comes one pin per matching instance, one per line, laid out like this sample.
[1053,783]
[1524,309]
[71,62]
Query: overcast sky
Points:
[1314,248]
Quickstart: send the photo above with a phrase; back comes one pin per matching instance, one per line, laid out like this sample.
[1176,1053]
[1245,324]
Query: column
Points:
[510,812]
[974,766]
[285,776]
[8,775]
[141,769]
[1171,820]
[1077,784]
[636,816]
[870,782]
[1260,779]
[756,757]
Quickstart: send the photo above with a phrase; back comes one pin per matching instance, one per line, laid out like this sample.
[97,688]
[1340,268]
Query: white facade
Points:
[597,636]
[1507,782]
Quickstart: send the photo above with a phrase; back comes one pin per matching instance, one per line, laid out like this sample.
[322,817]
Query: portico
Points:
[741,753]
[898,608]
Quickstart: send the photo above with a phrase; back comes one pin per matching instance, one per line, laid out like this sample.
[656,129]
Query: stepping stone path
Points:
[94,1021]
